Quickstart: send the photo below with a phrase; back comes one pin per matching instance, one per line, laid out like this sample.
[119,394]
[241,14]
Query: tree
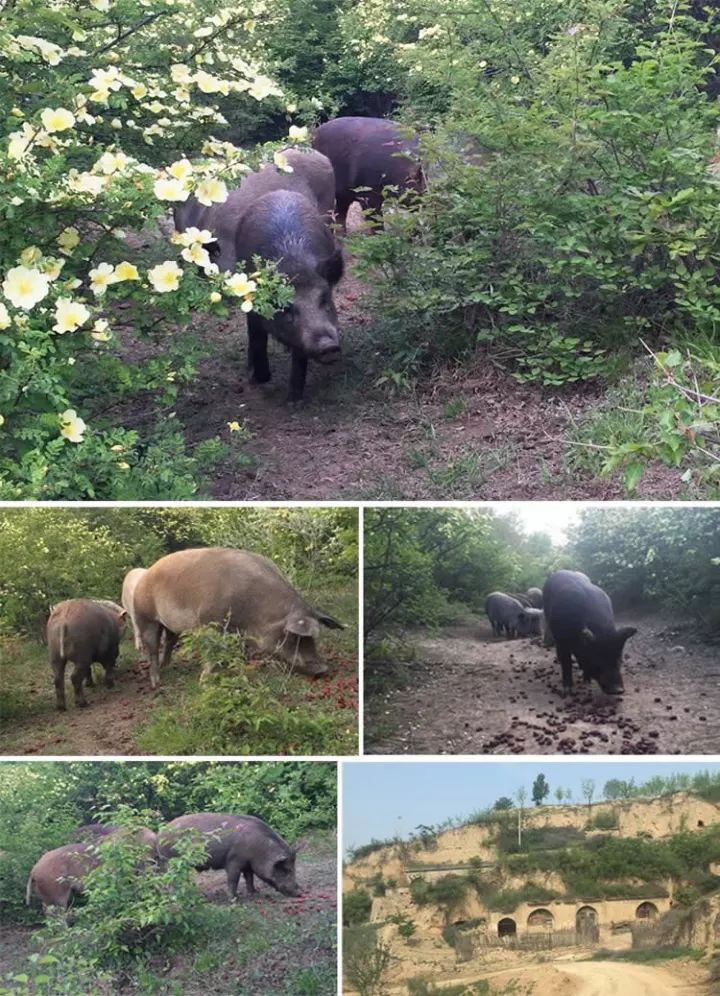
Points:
[540,790]
[365,959]
[559,794]
[503,803]
[521,796]
[588,790]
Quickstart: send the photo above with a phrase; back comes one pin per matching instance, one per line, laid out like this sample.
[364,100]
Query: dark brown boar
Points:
[368,155]
[242,845]
[83,631]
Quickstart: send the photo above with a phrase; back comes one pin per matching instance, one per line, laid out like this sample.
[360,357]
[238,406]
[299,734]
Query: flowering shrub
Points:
[106,108]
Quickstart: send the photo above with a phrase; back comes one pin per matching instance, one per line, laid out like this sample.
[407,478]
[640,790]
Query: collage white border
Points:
[339,760]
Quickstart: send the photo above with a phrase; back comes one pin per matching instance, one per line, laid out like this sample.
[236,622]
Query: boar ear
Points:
[331,269]
[328,621]
[625,632]
[213,249]
[303,624]
[588,636]
[300,846]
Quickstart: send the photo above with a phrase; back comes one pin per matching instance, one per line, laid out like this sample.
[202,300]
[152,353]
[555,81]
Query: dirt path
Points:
[105,727]
[471,693]
[587,978]
[606,978]
[469,433]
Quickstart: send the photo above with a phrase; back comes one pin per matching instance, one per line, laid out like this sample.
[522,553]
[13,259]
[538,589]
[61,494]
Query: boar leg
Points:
[78,678]
[171,640]
[342,205]
[232,871]
[298,373]
[58,669]
[249,883]
[258,363]
[565,657]
[150,636]
[89,682]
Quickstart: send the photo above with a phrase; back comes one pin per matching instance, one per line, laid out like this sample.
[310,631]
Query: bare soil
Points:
[352,440]
[468,692]
[590,978]
[253,960]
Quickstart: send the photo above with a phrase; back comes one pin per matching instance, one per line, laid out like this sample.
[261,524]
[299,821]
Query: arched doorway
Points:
[540,921]
[646,911]
[587,926]
[507,927]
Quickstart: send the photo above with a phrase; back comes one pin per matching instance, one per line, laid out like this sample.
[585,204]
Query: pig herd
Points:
[241,845]
[285,216]
[573,614]
[243,592]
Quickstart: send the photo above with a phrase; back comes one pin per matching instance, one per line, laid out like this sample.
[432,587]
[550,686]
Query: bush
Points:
[604,821]
[447,891]
[243,709]
[365,960]
[356,907]
[84,148]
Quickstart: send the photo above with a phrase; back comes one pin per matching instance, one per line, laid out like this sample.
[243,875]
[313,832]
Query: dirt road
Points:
[606,978]
[468,692]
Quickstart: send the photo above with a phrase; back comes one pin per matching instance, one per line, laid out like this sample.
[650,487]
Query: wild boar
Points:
[581,619]
[243,591]
[312,176]
[128,593]
[536,597]
[239,844]
[521,597]
[280,217]
[368,155]
[83,630]
[507,614]
[59,874]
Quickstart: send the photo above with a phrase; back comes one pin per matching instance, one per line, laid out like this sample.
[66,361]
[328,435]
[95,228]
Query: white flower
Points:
[101,277]
[211,191]
[25,287]
[5,319]
[169,189]
[297,134]
[57,119]
[72,426]
[69,315]
[165,277]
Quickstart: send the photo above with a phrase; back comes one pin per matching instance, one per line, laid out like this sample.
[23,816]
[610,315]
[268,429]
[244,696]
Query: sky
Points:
[552,517]
[382,799]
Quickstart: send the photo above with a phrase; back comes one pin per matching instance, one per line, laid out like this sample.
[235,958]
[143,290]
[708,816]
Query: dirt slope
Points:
[469,692]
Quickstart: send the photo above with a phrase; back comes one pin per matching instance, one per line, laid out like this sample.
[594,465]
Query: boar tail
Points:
[29,889]
[63,630]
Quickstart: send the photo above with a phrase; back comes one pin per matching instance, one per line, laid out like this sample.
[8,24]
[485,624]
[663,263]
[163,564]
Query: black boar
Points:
[581,620]
[240,590]
[536,597]
[370,154]
[507,614]
[239,844]
[282,218]
[83,630]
